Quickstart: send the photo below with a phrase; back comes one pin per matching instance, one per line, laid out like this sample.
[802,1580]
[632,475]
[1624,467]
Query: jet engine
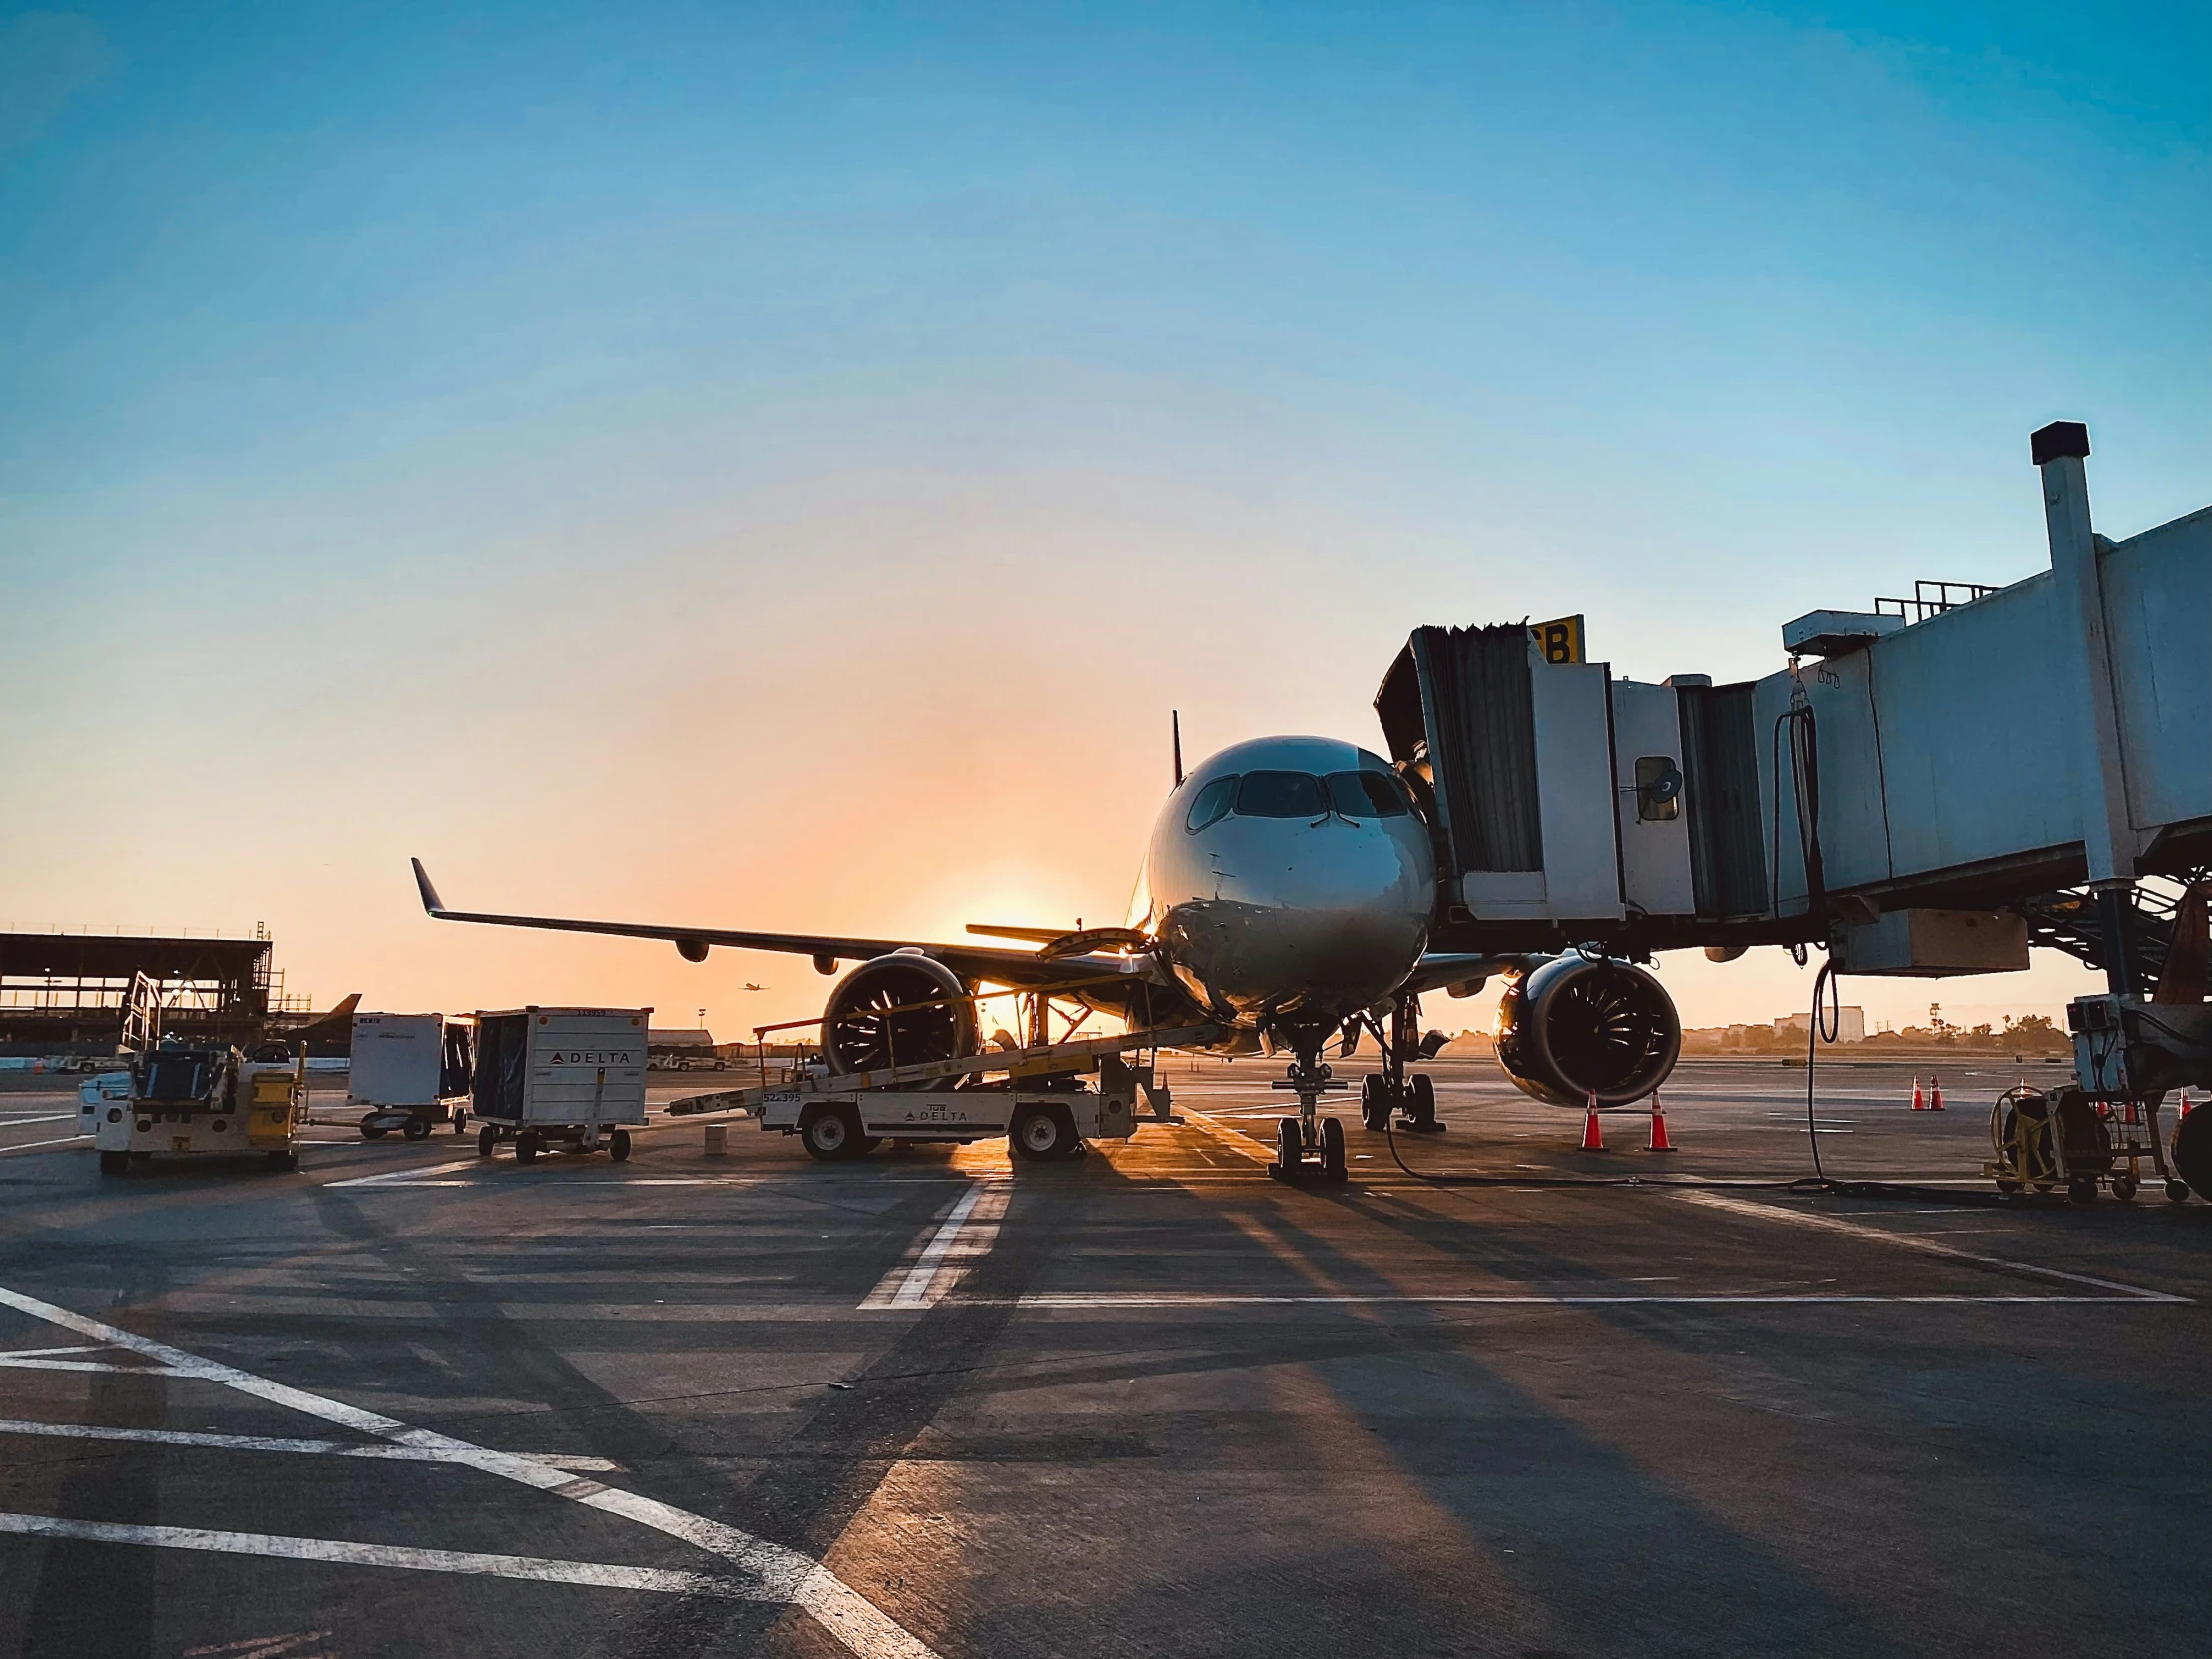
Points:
[904,1009]
[1573,1024]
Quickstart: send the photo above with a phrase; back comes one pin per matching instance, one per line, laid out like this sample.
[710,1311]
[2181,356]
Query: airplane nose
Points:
[1332,945]
[1350,949]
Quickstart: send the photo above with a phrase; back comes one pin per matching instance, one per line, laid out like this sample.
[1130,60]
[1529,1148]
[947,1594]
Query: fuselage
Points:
[1289,884]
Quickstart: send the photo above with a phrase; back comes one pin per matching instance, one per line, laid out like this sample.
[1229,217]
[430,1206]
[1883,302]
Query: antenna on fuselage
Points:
[1175,727]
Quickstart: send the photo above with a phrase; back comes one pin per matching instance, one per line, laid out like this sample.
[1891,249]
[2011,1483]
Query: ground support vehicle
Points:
[2042,1141]
[197,1101]
[2129,1054]
[1039,1101]
[566,1077]
[409,1073]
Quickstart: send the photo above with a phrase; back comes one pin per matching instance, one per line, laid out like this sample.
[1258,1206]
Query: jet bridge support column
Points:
[2108,832]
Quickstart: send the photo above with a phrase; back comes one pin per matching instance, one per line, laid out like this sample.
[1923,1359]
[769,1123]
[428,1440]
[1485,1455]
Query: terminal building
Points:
[66,994]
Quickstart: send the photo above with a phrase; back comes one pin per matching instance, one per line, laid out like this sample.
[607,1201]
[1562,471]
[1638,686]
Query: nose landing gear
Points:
[1309,1142]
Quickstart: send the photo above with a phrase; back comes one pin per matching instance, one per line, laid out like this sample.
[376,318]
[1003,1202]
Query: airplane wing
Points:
[1450,968]
[1020,968]
[1036,936]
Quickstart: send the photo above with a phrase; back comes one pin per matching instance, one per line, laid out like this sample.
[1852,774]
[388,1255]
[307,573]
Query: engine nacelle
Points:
[904,1009]
[1574,1024]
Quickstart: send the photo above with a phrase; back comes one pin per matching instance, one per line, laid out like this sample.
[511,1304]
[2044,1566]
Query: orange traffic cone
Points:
[1919,1105]
[2130,1116]
[1659,1141]
[1593,1138]
[1934,1094]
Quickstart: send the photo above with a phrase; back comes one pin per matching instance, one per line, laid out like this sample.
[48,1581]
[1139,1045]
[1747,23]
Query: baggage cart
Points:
[409,1072]
[567,1077]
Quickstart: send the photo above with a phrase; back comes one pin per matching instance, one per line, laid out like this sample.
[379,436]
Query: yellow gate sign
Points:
[1561,639]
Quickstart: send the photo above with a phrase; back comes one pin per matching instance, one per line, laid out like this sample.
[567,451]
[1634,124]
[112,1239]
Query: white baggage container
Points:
[567,1075]
[403,1070]
[398,1060]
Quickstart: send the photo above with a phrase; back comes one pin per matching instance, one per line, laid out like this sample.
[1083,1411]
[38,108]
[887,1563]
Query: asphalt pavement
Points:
[1149,1401]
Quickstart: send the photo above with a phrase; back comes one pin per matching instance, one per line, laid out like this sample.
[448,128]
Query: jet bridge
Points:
[1927,789]
[1972,751]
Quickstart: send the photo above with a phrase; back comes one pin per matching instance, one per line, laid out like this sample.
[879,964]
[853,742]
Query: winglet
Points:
[430,901]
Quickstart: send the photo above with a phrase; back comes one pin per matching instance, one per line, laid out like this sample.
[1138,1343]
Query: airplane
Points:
[1286,897]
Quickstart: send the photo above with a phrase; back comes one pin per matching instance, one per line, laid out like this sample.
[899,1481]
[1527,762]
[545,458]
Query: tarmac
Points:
[410,1401]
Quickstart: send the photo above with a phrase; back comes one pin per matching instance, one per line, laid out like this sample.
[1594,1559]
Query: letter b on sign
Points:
[1561,639]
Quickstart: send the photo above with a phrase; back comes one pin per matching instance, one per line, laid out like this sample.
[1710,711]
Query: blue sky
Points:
[760,400]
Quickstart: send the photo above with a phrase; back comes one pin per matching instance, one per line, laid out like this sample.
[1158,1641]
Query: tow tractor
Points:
[1035,1096]
[190,1101]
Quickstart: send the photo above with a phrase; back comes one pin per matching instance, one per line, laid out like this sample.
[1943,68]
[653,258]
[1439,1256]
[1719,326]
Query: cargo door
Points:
[457,1069]
[502,1067]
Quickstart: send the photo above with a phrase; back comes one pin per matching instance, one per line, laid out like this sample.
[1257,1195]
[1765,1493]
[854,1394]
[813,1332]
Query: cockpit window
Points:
[1212,802]
[1367,794]
[1280,794]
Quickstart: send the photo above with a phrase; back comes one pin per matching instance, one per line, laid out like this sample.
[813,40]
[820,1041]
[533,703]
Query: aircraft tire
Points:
[1333,1151]
[2192,1152]
[1422,1107]
[1290,1150]
[1375,1102]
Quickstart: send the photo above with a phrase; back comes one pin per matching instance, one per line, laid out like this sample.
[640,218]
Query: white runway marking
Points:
[784,1574]
[963,1237]
[390,1177]
[582,1182]
[599,1574]
[13,1363]
[1907,1241]
[1207,1298]
[57,1117]
[33,1146]
[259,1443]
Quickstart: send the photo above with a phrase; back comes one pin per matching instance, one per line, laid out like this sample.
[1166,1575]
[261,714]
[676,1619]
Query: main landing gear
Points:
[1394,1088]
[1309,1143]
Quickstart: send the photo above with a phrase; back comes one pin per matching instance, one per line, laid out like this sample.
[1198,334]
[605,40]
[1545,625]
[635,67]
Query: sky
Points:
[778,466]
